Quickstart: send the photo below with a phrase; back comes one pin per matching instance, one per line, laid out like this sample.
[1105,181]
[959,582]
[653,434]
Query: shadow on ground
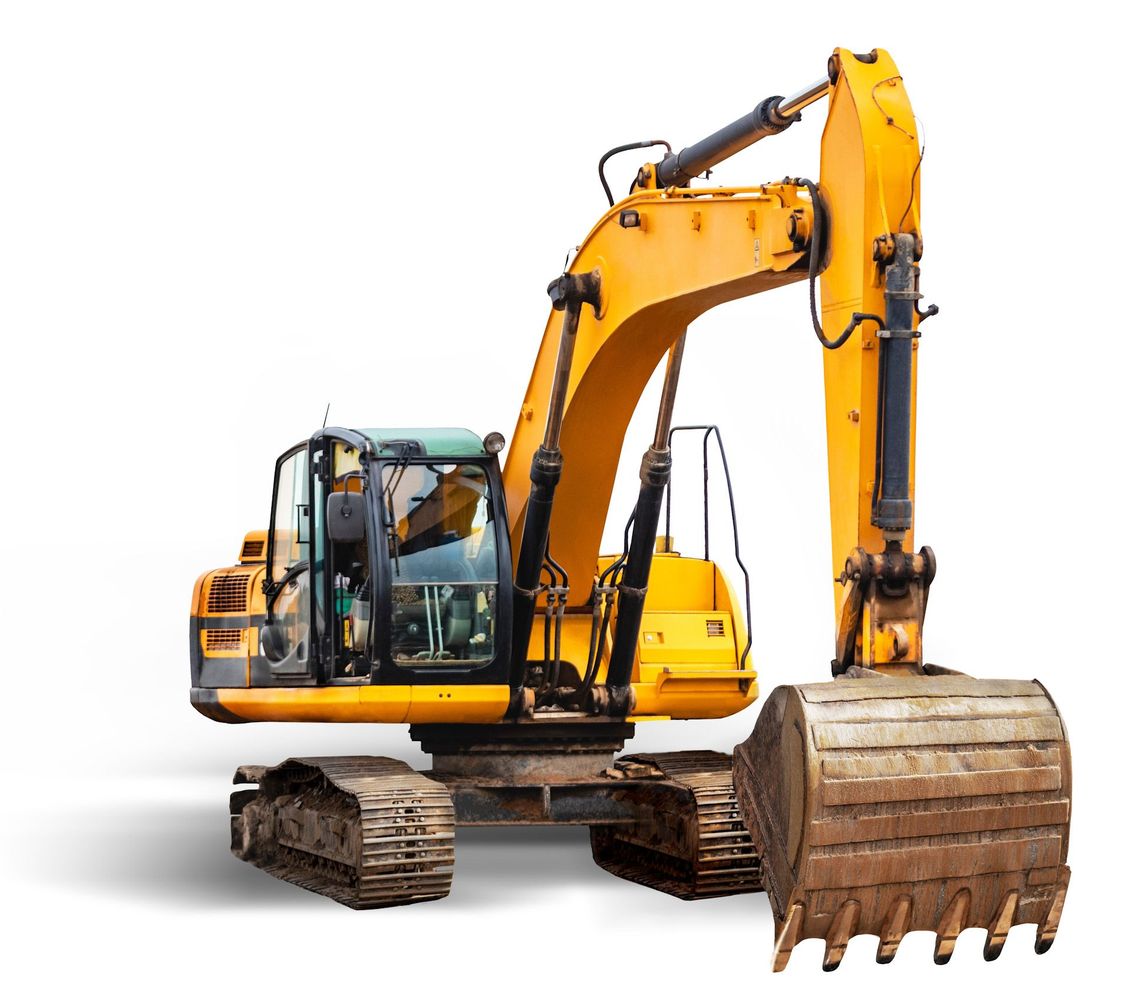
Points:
[177,855]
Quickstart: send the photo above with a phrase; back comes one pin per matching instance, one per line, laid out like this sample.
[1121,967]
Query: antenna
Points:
[326,417]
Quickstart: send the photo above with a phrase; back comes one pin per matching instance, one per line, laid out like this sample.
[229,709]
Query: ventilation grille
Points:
[252,549]
[216,639]
[228,594]
[715,627]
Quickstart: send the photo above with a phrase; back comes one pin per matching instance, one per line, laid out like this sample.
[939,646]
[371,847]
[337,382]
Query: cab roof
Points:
[455,442]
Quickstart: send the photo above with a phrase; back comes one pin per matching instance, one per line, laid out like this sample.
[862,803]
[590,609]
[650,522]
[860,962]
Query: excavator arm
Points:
[659,261]
[663,256]
[899,796]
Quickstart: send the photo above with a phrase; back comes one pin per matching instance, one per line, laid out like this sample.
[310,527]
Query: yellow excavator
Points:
[406,577]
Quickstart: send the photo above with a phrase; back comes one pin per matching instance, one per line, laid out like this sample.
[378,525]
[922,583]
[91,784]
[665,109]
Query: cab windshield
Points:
[442,552]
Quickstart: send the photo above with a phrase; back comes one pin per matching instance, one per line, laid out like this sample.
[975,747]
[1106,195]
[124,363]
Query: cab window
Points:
[285,638]
[444,563]
[290,520]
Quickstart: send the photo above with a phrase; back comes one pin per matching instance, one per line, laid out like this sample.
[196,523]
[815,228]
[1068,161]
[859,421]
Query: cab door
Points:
[288,640]
[446,603]
[342,562]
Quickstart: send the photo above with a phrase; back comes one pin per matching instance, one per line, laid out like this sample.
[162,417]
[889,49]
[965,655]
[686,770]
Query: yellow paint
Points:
[705,637]
[484,703]
[690,694]
[710,694]
[458,703]
[194,607]
[656,281]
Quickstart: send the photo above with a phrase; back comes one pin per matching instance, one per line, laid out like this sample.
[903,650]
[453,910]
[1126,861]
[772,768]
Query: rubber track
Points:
[368,832]
[696,846]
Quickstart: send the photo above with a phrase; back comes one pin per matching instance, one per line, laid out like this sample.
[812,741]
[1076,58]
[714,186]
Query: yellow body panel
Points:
[702,637]
[480,703]
[681,694]
[688,673]
[691,694]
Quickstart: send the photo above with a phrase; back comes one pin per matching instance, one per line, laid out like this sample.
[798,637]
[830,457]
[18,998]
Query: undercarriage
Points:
[371,832]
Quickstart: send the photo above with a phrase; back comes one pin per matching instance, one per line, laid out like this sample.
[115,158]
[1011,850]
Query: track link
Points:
[368,832]
[690,841]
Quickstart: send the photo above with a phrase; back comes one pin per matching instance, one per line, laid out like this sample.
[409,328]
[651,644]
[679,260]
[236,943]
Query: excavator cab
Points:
[381,567]
[384,561]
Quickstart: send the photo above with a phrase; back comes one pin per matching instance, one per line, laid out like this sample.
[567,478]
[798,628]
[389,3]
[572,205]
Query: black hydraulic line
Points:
[607,591]
[561,592]
[550,594]
[645,144]
[567,293]
[815,253]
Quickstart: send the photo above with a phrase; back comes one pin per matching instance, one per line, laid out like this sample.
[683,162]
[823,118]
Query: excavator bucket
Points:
[882,805]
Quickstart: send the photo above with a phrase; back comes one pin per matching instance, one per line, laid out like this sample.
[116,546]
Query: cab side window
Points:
[286,637]
[291,517]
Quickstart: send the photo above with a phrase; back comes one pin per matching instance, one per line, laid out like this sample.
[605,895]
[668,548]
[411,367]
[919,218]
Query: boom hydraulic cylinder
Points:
[655,473]
[568,293]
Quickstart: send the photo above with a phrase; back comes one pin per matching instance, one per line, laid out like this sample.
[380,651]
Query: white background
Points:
[218,217]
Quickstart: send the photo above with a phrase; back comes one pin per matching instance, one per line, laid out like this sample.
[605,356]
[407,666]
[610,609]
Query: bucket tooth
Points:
[950,926]
[1046,931]
[787,936]
[895,925]
[999,927]
[843,927]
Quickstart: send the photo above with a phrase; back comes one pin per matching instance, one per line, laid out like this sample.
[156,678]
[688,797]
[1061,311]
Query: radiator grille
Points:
[228,594]
[252,549]
[715,627]
[216,639]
